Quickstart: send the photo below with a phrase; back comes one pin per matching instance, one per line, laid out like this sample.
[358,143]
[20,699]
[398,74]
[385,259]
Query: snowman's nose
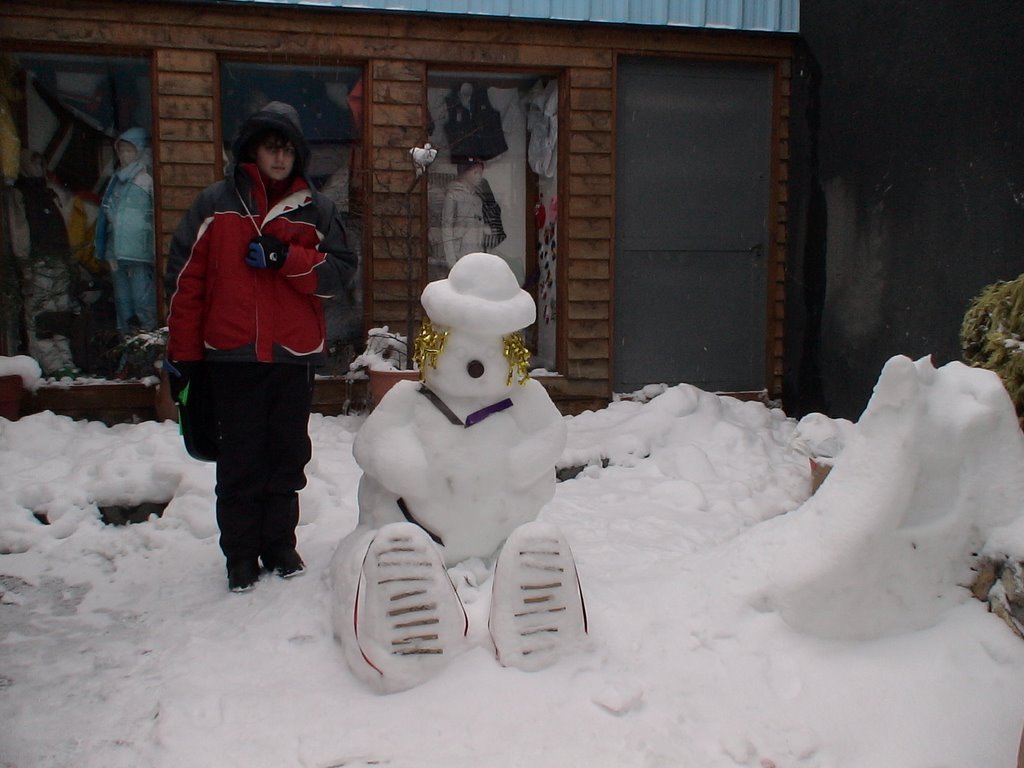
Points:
[475,369]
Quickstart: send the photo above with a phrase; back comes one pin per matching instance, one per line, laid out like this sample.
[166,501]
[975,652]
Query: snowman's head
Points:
[470,347]
[458,363]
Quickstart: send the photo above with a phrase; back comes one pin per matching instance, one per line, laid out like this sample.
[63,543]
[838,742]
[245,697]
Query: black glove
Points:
[179,374]
[266,252]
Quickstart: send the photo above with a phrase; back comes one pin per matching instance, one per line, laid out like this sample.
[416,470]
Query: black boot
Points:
[243,575]
[284,562]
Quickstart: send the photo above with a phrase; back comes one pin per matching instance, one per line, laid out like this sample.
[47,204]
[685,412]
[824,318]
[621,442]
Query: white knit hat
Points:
[480,294]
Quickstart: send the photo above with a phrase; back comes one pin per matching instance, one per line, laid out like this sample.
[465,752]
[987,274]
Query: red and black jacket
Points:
[221,309]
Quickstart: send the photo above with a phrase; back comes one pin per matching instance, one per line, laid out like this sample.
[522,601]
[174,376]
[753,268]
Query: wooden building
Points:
[649,220]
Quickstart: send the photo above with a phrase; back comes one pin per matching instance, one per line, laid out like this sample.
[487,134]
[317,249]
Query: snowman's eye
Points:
[475,369]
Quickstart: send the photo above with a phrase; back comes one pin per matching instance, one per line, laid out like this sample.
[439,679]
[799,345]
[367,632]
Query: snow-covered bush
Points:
[385,351]
[139,354]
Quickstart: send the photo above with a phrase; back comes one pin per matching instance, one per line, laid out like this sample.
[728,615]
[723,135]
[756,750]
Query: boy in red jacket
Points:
[247,271]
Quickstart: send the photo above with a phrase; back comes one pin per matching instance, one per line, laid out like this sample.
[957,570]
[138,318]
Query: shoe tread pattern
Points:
[409,619]
[537,607]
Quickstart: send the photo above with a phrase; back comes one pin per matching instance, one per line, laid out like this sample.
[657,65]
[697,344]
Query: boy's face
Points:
[275,157]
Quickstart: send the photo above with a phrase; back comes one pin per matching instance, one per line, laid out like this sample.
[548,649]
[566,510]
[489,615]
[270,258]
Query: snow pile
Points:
[709,576]
[24,366]
[728,458]
[822,438]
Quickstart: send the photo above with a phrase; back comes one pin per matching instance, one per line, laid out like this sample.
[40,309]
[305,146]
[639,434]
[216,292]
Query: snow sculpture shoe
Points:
[537,609]
[408,619]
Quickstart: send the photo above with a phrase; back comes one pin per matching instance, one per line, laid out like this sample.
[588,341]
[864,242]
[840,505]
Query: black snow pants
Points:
[263,424]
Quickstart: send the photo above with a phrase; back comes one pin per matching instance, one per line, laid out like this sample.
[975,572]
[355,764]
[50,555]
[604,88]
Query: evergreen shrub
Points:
[992,336]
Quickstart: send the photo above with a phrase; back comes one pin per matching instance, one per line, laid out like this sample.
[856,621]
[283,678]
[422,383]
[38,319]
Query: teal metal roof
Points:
[749,15]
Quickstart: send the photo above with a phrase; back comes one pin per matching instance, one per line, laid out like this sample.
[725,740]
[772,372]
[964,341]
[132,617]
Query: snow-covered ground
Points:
[735,619]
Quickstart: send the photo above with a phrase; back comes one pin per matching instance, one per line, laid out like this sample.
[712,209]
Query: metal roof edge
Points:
[765,16]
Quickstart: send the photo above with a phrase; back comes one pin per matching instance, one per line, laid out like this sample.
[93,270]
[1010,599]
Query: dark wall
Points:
[908,171]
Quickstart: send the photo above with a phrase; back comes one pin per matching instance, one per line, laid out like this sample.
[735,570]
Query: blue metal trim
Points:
[743,15]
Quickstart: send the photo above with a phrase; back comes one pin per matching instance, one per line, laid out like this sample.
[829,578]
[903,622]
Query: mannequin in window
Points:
[40,245]
[124,232]
[471,219]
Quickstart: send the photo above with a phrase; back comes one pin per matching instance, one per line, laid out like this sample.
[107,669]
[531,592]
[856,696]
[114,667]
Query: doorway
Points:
[693,167]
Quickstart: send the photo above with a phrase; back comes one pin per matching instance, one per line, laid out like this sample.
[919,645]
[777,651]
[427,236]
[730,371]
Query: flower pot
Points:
[382,381]
[11,390]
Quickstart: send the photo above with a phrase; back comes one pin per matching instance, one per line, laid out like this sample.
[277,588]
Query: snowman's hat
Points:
[480,294]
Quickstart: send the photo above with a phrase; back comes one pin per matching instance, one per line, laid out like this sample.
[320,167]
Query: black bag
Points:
[474,133]
[197,418]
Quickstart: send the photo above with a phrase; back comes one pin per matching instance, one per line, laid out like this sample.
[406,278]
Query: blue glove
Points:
[266,252]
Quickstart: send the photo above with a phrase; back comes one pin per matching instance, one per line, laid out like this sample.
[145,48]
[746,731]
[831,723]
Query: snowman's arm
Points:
[544,432]
[387,445]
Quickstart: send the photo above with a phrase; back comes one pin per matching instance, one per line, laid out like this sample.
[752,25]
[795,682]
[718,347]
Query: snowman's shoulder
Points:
[531,389]
[398,402]
[532,401]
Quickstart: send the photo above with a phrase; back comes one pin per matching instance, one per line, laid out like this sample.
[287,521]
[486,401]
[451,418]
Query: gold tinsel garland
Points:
[518,357]
[428,346]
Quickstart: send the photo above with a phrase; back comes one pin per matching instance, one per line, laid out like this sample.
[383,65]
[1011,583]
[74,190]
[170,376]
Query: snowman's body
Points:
[468,487]
[452,468]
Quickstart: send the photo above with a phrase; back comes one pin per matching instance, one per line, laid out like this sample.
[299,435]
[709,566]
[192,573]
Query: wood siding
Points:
[187,42]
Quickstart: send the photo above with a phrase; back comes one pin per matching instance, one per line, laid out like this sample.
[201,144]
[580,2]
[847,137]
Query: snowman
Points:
[456,468]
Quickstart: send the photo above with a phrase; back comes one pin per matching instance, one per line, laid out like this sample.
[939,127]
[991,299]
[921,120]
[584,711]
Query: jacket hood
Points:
[137,137]
[275,116]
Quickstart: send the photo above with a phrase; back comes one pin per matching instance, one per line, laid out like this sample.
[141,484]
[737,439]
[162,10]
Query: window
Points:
[330,106]
[79,247]
[493,186]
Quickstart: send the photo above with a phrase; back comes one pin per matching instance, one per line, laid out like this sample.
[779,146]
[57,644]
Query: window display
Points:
[78,251]
[124,233]
[493,186]
[330,107]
